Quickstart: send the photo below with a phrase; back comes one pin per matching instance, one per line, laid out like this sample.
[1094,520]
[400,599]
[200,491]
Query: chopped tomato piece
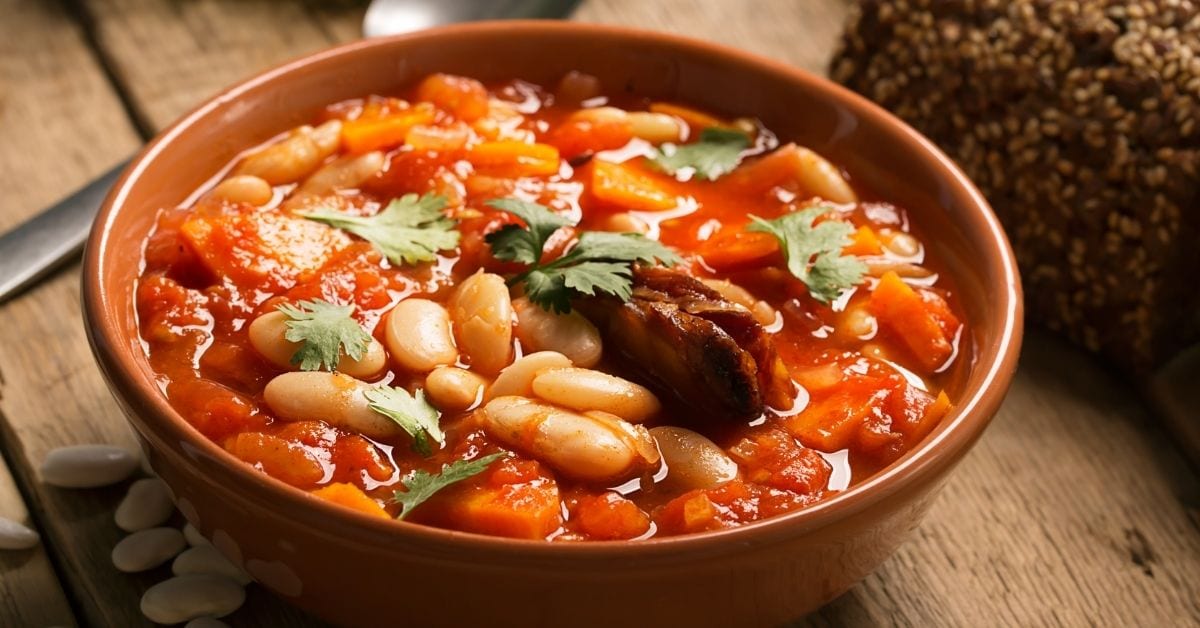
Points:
[351,496]
[284,460]
[464,98]
[609,517]
[902,310]
[578,137]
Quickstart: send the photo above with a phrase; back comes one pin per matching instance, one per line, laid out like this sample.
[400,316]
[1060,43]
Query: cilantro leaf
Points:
[325,331]
[814,253]
[600,262]
[409,230]
[422,485]
[717,152]
[410,412]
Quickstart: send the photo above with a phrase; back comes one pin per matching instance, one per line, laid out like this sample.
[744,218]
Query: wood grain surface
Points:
[1073,509]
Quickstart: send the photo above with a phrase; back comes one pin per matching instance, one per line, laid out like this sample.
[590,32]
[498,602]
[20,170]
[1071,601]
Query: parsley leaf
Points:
[814,253]
[325,331]
[409,230]
[600,262]
[422,485]
[717,152]
[410,412]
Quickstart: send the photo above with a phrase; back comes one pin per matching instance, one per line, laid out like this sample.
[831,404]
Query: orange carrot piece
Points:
[932,416]
[863,242]
[352,497]
[831,423]
[621,186]
[511,158]
[758,176]
[367,134]
[739,250]
[902,310]
[525,511]
[610,517]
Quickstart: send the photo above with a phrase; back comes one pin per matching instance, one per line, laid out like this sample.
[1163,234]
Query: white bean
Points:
[16,536]
[206,559]
[625,222]
[337,399]
[418,335]
[244,188]
[585,389]
[762,311]
[182,598]
[900,243]
[193,536]
[285,161]
[592,447]
[656,128]
[87,466]
[147,549]
[206,622]
[859,323]
[483,315]
[569,334]
[693,461]
[267,335]
[147,504]
[343,173]
[819,177]
[328,137]
[452,389]
[517,378]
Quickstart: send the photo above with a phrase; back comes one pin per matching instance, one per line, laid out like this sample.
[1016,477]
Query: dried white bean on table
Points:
[206,622]
[206,559]
[15,535]
[87,466]
[147,549]
[193,536]
[182,598]
[147,504]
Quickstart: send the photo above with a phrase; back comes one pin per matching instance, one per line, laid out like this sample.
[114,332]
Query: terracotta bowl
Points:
[355,570]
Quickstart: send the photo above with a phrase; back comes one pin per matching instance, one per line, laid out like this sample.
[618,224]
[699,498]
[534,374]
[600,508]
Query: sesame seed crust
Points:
[1078,120]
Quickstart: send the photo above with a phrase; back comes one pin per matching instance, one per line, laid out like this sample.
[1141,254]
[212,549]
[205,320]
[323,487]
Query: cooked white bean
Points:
[286,161]
[483,316]
[576,87]
[585,389]
[656,128]
[418,335]
[267,335]
[819,177]
[206,622]
[593,447]
[15,535]
[600,114]
[692,460]
[762,311]
[193,536]
[182,598]
[517,378]
[877,266]
[328,137]
[569,334]
[87,466]
[206,559]
[625,222]
[335,398]
[452,389]
[147,549]
[343,173]
[859,323]
[244,188]
[900,243]
[147,504]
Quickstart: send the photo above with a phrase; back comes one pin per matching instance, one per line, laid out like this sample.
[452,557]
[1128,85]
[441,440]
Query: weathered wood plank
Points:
[30,592]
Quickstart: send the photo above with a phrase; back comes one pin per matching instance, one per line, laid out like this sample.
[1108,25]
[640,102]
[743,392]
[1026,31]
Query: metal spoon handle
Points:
[39,245]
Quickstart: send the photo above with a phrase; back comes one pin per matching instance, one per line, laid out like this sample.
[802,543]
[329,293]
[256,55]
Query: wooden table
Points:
[1073,509]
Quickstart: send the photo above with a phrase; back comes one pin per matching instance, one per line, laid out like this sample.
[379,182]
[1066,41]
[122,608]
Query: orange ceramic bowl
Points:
[356,570]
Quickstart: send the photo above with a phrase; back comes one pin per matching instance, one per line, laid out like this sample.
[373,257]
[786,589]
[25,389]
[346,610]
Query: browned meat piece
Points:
[685,339]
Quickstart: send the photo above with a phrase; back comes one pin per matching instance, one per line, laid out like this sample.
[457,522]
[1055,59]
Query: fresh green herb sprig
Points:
[600,262]
[717,152]
[423,485]
[411,412]
[814,252]
[409,230]
[325,331]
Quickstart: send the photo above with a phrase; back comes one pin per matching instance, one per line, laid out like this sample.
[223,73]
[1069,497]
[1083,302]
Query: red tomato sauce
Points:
[874,371]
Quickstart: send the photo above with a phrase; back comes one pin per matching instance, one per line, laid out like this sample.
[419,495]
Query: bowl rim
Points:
[965,424]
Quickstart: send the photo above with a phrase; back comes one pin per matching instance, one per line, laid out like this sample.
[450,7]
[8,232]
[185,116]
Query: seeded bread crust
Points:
[1078,120]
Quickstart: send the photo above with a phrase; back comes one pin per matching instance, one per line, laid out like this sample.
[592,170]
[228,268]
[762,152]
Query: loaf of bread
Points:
[1078,119]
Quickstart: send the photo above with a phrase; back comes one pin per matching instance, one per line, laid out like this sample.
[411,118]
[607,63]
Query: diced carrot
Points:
[530,510]
[215,410]
[902,310]
[354,456]
[933,415]
[740,250]
[698,120]
[760,175]
[465,98]
[367,134]
[576,137]
[351,496]
[691,512]
[511,158]
[831,423]
[610,517]
[620,186]
[283,460]
[863,242]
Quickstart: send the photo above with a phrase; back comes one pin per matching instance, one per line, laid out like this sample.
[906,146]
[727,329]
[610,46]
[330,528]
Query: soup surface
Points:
[548,313]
